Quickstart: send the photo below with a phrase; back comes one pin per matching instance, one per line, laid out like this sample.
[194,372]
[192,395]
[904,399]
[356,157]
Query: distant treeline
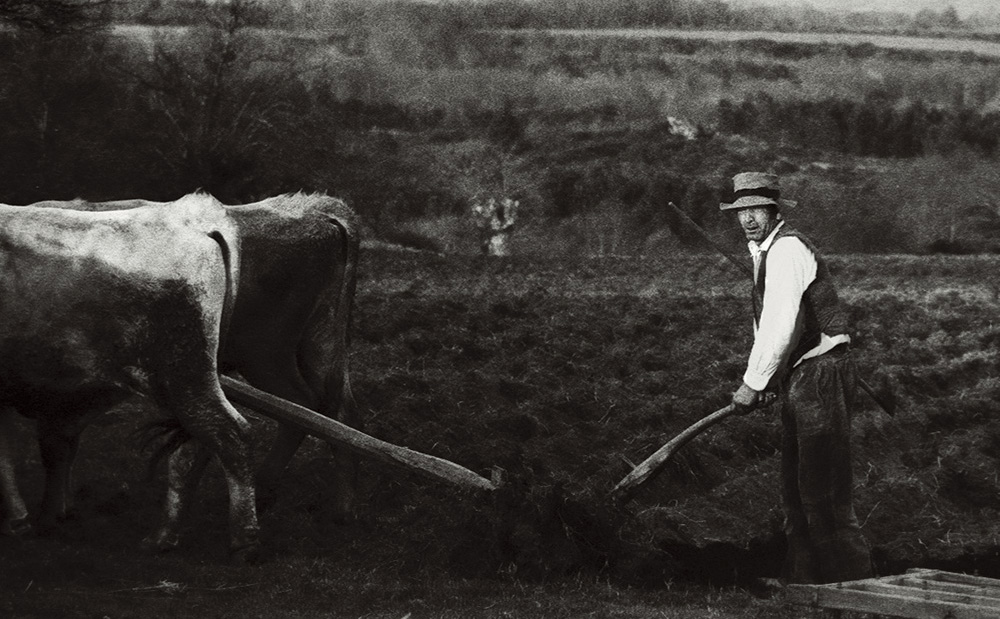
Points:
[87,116]
[556,14]
[873,127]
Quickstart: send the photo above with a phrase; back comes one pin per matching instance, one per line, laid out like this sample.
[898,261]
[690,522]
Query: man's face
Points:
[757,222]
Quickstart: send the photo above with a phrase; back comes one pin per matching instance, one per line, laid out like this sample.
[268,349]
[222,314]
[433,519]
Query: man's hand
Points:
[745,399]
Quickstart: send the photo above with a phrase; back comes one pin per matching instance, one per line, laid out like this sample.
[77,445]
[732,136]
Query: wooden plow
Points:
[647,469]
[652,465]
[334,431]
[917,594]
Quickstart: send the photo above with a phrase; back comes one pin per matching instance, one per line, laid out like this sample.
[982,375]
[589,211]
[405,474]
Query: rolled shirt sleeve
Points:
[791,267]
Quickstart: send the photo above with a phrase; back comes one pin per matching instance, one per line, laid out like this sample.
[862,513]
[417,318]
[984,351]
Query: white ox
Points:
[98,306]
[288,334]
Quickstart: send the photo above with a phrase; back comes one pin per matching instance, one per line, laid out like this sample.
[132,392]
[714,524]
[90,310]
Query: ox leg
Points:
[184,470]
[58,445]
[286,443]
[260,372]
[345,473]
[15,520]
[346,480]
[347,465]
[226,433]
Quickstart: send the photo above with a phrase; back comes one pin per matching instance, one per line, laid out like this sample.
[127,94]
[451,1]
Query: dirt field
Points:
[560,374]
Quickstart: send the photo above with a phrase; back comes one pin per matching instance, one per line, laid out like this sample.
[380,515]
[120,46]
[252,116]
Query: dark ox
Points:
[289,327]
[289,334]
[96,307]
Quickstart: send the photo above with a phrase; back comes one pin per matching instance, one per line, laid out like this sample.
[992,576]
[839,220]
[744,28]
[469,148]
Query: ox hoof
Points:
[245,555]
[16,528]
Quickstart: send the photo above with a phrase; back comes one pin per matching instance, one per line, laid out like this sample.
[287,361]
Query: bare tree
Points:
[214,92]
[495,220]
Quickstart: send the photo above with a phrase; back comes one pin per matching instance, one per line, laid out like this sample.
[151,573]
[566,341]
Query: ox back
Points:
[82,293]
[95,307]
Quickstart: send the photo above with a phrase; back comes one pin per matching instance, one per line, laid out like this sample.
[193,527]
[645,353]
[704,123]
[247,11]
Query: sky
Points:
[964,7]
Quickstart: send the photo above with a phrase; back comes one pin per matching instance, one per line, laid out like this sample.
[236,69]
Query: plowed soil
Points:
[556,377]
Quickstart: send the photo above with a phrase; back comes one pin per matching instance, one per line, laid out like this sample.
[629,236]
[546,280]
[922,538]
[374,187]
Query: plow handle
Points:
[651,465]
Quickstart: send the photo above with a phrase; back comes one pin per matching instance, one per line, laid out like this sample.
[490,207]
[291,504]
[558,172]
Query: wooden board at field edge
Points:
[917,594]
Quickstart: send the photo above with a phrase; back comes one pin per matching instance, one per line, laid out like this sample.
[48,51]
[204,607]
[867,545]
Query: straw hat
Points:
[756,189]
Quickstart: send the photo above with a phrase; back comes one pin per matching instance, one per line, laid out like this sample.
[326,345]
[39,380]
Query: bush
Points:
[874,126]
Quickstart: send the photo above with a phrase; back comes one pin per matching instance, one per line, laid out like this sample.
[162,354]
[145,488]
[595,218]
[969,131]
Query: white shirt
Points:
[791,268]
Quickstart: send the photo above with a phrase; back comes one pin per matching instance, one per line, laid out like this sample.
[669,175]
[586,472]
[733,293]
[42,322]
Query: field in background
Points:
[971,47]
[561,372]
[648,74]
[576,125]
[415,120]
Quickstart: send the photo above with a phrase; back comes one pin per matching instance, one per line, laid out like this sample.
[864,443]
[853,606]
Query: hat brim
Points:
[753,201]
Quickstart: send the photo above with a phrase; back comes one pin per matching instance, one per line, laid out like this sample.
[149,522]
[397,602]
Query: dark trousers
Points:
[825,543]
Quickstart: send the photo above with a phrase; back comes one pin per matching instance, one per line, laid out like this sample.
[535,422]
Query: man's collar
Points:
[756,248]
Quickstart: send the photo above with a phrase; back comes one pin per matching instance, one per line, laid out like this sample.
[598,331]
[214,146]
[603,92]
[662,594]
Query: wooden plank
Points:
[351,438]
[955,577]
[918,594]
[886,604]
[931,594]
[943,586]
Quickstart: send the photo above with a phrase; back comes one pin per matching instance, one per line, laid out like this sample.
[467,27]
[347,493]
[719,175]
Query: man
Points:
[801,351]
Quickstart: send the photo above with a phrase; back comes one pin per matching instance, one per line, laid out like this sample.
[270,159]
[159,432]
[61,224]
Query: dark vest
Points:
[821,309]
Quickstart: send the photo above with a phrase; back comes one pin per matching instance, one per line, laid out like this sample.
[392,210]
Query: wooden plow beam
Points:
[648,468]
[917,594]
[342,434]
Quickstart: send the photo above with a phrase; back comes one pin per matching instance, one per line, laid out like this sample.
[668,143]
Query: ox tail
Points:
[164,437]
[345,303]
[229,301]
